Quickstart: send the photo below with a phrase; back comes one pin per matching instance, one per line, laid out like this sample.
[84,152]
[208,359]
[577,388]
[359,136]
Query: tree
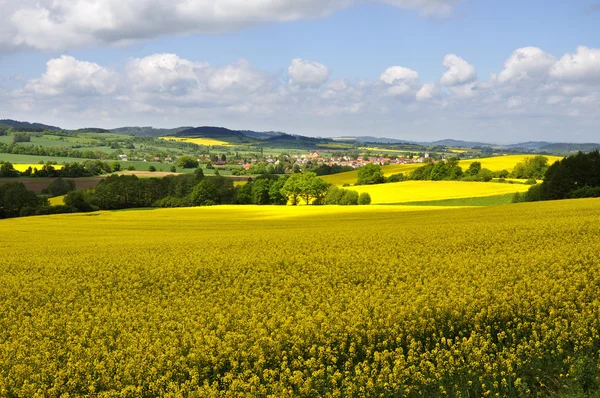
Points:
[187,162]
[318,190]
[292,188]
[364,198]
[21,137]
[78,201]
[14,197]
[350,198]
[151,168]
[473,169]
[60,187]
[8,170]
[370,174]
[204,194]
[116,166]
[260,191]
[173,169]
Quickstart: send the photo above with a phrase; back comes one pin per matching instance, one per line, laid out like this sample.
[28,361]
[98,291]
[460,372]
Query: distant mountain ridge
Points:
[27,125]
[280,139]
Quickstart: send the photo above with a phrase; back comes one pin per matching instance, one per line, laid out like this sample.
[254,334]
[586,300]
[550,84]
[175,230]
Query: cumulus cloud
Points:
[400,81]
[303,73]
[525,64]
[69,76]
[532,89]
[583,66]
[66,24]
[428,91]
[458,71]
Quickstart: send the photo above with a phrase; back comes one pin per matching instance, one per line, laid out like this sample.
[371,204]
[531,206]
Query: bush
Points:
[59,187]
[396,178]
[531,181]
[370,174]
[131,167]
[152,168]
[187,162]
[350,198]
[364,199]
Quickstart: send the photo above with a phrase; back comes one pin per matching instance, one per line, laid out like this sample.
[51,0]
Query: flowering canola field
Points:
[418,191]
[22,167]
[302,301]
[197,141]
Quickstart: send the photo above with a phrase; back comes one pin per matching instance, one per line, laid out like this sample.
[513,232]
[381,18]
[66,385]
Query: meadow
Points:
[497,163]
[303,301]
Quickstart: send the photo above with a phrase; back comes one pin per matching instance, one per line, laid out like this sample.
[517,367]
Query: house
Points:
[167,159]
[123,157]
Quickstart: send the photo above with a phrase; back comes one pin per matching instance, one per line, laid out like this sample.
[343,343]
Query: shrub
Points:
[364,199]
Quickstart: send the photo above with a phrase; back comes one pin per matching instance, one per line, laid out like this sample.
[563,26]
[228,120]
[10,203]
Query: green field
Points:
[495,200]
[303,301]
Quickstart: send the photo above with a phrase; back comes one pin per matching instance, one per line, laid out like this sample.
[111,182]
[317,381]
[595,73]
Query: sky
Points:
[494,71]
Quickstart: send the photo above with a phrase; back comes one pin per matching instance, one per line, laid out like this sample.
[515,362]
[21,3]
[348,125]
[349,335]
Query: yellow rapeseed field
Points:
[417,191]
[350,177]
[22,167]
[311,301]
[508,162]
[197,141]
[57,200]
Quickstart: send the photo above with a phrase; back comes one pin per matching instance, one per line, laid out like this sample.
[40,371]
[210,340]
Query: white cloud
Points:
[458,71]
[67,24]
[529,97]
[303,73]
[525,64]
[584,66]
[164,73]
[68,76]
[428,91]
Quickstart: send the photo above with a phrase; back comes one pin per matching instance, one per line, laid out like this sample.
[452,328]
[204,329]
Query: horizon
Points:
[410,70]
[501,143]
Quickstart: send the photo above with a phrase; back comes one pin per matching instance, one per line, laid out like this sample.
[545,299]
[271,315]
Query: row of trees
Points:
[531,168]
[64,152]
[576,176]
[120,192]
[88,168]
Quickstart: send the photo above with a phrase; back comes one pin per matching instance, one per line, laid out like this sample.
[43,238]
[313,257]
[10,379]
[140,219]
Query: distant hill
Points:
[529,145]
[378,140]
[149,131]
[456,143]
[26,126]
[218,133]
[570,148]
[263,135]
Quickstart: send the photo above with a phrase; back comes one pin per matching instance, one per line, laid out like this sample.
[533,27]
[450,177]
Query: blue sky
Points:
[235,69]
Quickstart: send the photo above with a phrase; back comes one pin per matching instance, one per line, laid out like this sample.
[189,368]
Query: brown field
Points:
[37,184]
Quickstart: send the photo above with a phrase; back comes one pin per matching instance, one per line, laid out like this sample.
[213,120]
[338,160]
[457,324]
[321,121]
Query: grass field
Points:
[198,141]
[498,163]
[495,200]
[419,191]
[307,301]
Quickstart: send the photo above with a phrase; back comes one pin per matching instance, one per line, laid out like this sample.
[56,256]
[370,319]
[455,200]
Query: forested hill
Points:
[149,131]
[26,126]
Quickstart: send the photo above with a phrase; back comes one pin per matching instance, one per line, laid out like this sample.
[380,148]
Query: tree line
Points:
[532,168]
[576,176]
[88,168]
